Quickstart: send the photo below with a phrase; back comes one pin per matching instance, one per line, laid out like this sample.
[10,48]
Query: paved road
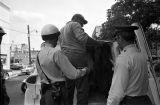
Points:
[13,86]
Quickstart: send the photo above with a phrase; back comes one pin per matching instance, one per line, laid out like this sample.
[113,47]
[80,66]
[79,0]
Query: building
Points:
[20,54]
[97,31]
[5,13]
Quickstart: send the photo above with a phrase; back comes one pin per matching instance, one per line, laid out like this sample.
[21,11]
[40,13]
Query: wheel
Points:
[23,87]
[6,75]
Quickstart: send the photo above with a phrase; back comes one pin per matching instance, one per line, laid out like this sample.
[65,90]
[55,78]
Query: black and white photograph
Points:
[80,52]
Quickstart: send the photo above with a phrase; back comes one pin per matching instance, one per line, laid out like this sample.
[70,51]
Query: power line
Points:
[18,31]
[4,21]
[15,30]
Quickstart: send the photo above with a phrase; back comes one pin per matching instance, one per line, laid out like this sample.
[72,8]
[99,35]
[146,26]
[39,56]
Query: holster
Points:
[55,88]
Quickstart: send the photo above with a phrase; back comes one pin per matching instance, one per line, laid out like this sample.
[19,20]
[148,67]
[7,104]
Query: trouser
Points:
[4,96]
[137,100]
[81,84]
[49,96]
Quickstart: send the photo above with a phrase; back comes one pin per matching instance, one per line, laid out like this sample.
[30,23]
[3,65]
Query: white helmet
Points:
[49,29]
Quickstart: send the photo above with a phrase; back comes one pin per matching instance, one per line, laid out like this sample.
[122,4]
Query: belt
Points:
[59,83]
[135,97]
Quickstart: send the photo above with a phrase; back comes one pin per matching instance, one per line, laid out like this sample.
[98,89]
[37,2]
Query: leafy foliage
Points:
[145,12]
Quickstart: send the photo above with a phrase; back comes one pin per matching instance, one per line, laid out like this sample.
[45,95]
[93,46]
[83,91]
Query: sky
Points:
[37,13]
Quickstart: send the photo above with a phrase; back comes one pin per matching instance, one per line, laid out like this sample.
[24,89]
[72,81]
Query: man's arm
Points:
[92,42]
[119,83]
[67,68]
[82,36]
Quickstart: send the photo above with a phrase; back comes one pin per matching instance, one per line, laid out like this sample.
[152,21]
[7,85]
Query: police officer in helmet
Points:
[53,66]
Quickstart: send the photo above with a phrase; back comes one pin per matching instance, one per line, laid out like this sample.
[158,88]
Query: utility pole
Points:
[29,49]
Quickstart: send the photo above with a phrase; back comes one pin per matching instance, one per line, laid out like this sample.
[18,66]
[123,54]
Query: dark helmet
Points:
[127,32]
[79,17]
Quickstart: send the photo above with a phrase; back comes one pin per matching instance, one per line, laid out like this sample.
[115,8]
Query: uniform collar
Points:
[128,46]
[47,45]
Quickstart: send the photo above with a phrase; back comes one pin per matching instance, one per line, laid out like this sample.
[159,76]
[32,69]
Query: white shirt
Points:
[130,75]
[55,65]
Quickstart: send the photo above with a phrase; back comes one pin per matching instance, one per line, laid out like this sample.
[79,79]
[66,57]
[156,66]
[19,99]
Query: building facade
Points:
[20,54]
[5,13]
[97,31]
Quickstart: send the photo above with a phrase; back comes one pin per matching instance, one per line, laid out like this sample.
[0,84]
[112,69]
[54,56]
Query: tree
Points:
[127,12]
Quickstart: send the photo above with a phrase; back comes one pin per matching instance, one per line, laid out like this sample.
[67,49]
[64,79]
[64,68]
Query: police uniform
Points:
[130,80]
[53,66]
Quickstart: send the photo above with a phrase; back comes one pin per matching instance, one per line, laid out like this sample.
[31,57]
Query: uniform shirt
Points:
[115,52]
[130,75]
[55,65]
[73,38]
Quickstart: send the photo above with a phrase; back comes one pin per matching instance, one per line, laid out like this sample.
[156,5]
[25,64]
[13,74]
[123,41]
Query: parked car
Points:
[10,73]
[16,66]
[28,69]
[7,74]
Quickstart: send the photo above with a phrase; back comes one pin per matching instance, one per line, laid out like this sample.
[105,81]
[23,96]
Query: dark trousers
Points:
[81,84]
[47,96]
[5,100]
[82,87]
[137,100]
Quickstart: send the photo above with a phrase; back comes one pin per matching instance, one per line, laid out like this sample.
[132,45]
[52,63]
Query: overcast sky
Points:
[37,13]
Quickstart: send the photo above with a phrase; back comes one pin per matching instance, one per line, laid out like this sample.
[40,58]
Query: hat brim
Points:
[85,21]
[126,28]
[2,33]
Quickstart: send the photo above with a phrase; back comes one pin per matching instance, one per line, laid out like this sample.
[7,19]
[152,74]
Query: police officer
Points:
[53,66]
[130,79]
[4,96]
[73,42]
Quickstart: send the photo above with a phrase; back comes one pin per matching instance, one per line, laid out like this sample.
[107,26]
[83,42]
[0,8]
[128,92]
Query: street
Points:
[13,86]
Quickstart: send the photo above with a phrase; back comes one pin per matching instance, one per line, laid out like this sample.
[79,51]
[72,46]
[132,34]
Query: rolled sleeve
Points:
[66,67]
[119,82]
[79,32]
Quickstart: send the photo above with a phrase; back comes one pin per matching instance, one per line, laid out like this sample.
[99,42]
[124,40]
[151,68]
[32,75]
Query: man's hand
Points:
[84,71]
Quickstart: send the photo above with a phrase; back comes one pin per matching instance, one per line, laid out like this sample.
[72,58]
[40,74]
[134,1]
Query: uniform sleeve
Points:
[79,32]
[119,82]
[66,67]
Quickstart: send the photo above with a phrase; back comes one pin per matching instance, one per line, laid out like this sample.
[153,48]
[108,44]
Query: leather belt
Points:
[135,97]
[59,83]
